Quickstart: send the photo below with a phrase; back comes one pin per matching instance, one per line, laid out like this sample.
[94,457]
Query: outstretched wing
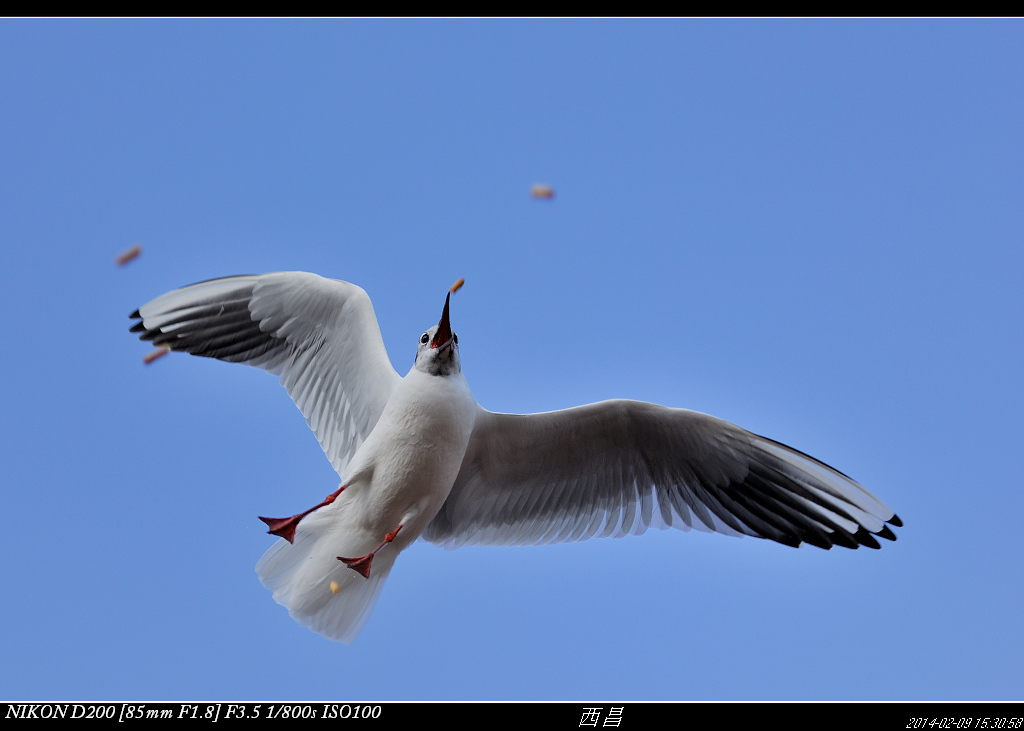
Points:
[617,467]
[319,335]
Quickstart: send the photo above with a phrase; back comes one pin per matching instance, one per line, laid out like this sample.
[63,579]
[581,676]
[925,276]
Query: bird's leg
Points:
[285,527]
[362,564]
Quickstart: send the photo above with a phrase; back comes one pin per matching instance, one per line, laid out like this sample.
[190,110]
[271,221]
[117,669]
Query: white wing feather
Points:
[319,335]
[618,467]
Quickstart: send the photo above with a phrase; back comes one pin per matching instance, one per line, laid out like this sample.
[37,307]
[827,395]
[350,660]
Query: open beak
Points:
[444,328]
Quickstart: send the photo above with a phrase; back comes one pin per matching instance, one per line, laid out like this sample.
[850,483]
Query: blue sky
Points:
[810,228]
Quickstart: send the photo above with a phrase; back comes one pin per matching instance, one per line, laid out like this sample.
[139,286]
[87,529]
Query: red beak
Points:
[444,328]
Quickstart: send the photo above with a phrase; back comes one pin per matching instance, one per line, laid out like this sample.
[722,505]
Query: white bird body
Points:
[401,475]
[418,456]
[405,469]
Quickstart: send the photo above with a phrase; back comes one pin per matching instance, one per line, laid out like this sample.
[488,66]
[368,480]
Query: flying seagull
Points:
[417,456]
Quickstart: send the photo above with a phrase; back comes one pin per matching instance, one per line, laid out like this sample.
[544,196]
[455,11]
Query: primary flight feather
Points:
[417,456]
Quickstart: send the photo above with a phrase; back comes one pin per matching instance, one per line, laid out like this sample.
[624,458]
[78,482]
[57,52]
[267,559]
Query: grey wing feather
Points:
[619,467]
[319,335]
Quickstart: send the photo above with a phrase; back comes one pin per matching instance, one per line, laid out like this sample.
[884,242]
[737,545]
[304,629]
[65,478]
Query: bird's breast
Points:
[413,455]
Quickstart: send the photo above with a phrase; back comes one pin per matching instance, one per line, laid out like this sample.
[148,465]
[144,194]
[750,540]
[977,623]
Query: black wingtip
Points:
[895,520]
[787,540]
[813,539]
[886,533]
[137,328]
[839,537]
[865,538]
[135,315]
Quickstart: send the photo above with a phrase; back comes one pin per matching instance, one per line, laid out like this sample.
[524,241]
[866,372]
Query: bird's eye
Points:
[455,338]
[424,338]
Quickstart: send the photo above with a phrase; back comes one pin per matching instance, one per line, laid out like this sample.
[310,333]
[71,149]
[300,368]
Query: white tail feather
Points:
[300,575]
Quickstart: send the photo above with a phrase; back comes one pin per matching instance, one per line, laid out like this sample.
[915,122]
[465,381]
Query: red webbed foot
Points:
[359,565]
[362,564]
[285,527]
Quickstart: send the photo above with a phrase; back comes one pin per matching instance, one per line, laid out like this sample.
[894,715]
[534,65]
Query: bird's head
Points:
[437,352]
